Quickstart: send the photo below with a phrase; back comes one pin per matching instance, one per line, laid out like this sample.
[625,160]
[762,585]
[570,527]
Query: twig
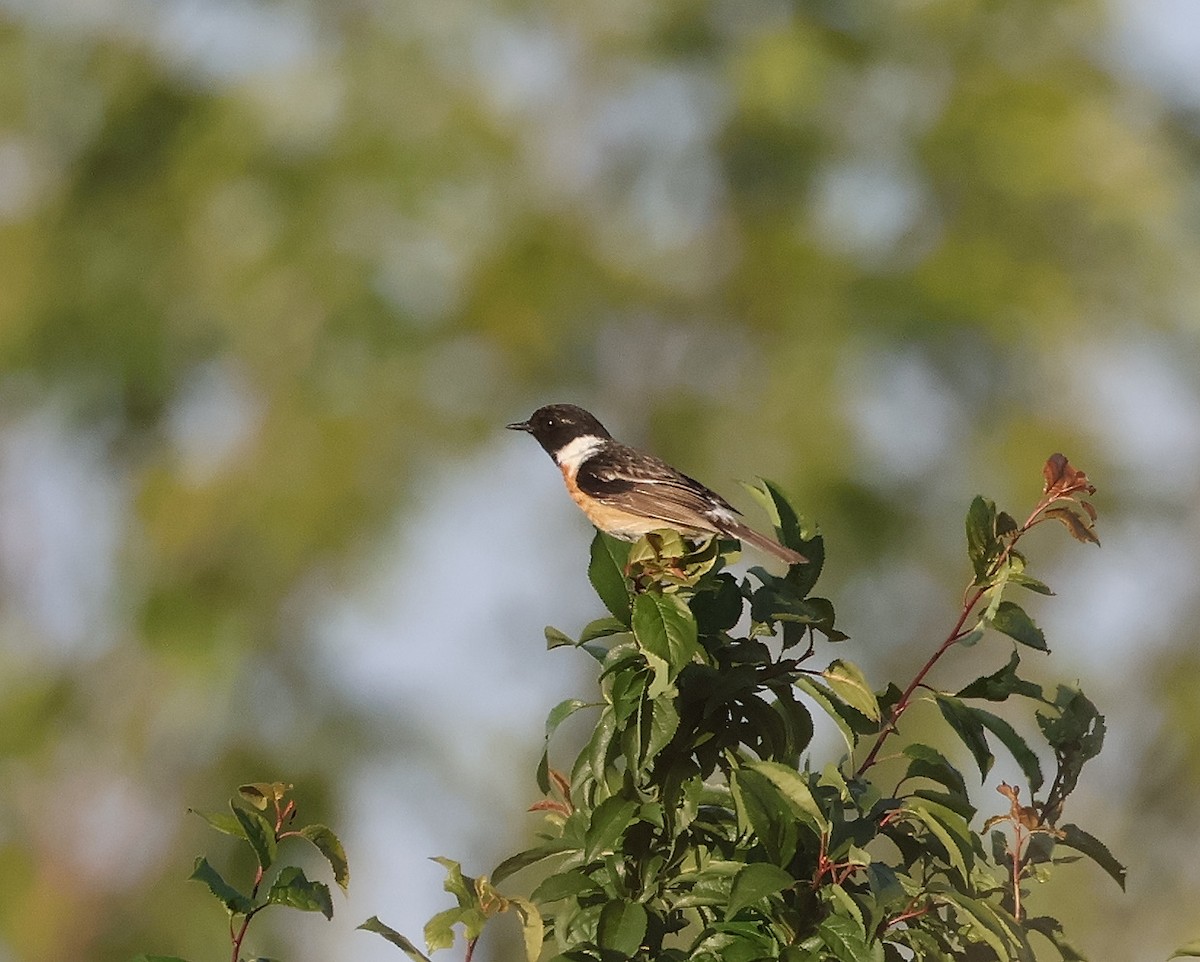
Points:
[958,632]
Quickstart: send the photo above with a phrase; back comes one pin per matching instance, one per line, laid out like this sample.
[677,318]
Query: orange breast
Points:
[610,520]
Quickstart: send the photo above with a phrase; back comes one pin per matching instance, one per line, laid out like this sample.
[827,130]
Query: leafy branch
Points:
[262,815]
[991,544]
[695,824]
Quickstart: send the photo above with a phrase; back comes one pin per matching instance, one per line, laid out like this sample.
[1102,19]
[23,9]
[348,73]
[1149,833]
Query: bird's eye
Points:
[551,422]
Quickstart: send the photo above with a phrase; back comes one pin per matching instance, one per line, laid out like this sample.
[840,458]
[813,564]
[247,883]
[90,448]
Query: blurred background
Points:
[273,276]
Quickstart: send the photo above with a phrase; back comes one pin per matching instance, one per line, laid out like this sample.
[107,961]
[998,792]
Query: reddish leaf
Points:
[549,805]
[1064,479]
[1052,471]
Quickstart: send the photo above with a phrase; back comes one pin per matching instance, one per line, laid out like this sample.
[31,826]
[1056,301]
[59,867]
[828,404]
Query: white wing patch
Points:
[724,515]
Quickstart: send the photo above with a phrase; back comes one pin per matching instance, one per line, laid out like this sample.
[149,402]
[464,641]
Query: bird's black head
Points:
[557,425]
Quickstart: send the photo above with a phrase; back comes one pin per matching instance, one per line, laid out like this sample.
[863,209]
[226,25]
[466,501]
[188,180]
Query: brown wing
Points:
[645,485]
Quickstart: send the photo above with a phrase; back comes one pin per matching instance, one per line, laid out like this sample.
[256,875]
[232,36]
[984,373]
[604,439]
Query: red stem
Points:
[237,939]
[904,916]
[955,635]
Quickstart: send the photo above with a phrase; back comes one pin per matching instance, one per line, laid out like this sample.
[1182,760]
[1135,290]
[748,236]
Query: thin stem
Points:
[913,912]
[970,600]
[1016,881]
[955,634]
[241,934]
[281,816]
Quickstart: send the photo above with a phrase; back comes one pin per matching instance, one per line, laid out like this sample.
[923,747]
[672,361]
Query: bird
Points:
[627,493]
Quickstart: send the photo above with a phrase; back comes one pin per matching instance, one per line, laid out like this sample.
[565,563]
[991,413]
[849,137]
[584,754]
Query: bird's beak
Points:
[519,426]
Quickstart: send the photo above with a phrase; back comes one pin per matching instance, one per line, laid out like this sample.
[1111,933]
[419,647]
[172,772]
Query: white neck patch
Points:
[572,454]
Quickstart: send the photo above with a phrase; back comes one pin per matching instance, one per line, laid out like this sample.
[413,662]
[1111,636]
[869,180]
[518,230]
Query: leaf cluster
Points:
[263,816]
[695,823]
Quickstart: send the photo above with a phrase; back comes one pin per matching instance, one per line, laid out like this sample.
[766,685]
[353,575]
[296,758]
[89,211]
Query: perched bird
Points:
[626,493]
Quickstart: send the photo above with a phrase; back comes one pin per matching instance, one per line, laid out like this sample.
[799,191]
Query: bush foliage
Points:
[696,824]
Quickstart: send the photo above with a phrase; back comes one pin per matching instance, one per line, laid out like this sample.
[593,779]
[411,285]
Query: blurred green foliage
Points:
[272,261]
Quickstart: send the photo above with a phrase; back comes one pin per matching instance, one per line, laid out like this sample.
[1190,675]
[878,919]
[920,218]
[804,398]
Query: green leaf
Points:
[627,688]
[259,833]
[850,684]
[838,900]
[950,830]
[601,628]
[779,600]
[576,926]
[756,881]
[887,889]
[832,706]
[1078,730]
[782,516]
[651,550]
[609,821]
[379,928]
[556,638]
[797,721]
[977,916]
[222,822]
[261,794]
[563,885]
[765,731]
[226,894]
[622,927]
[981,536]
[562,711]
[606,572]
[762,809]
[1189,949]
[664,722]
[292,887]
[793,786]
[1075,837]
[832,777]
[531,856]
[601,743]
[461,886]
[1001,683]
[330,846]
[844,939]
[1024,755]
[708,887]
[439,930]
[1025,581]
[1012,621]
[718,607]
[928,762]
[790,528]
[1052,929]
[969,728]
[663,626]
[960,805]
[533,929]
[735,942]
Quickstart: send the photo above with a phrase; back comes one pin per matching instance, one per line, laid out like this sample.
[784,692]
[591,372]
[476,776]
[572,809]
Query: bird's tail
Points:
[765,544]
